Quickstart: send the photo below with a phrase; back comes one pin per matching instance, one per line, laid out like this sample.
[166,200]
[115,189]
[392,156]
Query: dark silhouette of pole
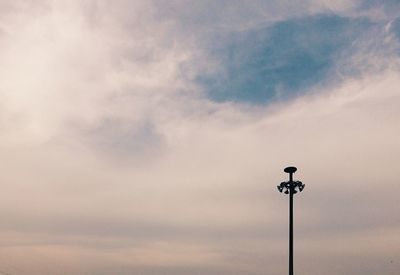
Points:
[290,187]
[291,231]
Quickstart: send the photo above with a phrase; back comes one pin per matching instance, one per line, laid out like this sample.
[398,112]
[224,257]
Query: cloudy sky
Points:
[148,136]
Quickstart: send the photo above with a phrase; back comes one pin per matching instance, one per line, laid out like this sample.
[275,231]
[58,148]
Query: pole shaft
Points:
[291,233]
[291,224]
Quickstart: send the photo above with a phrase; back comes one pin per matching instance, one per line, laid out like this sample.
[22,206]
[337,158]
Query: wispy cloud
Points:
[116,159]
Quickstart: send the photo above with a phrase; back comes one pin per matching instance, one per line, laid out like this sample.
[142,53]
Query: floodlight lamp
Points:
[291,187]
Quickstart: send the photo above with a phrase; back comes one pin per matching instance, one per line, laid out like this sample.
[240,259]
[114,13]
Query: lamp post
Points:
[290,187]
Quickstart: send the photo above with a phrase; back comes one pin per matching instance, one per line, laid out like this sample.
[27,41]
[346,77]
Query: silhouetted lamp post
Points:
[290,187]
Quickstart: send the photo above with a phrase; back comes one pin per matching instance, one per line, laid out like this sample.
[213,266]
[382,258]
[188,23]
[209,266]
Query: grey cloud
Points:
[207,204]
[124,139]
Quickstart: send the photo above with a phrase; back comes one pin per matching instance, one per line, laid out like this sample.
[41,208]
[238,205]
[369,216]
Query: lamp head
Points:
[291,187]
[290,169]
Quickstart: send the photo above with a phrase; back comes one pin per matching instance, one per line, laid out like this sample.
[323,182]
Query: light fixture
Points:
[291,188]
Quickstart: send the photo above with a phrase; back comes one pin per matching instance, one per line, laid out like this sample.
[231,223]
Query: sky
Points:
[148,137]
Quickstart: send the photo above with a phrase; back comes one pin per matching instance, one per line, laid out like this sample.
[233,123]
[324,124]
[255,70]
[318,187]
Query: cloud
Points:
[115,160]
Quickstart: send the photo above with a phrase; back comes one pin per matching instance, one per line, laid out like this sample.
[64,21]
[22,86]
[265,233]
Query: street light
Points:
[290,187]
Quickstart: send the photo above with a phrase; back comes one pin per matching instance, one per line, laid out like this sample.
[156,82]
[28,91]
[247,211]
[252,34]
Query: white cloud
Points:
[113,160]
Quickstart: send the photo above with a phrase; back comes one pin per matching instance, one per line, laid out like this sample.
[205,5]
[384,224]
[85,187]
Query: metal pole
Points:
[291,232]
[290,188]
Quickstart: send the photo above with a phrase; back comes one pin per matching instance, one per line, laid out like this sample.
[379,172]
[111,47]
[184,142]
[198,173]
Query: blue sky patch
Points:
[280,61]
